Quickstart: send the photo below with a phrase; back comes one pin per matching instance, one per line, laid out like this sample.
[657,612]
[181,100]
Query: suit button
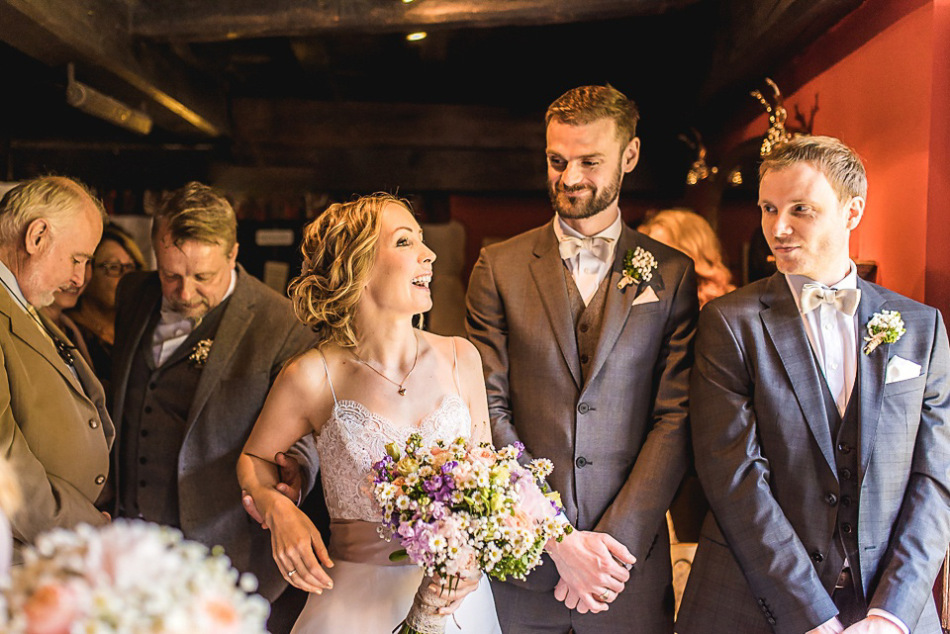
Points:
[93,423]
[845,500]
[144,433]
[583,408]
[581,462]
[845,474]
[142,483]
[771,621]
[100,479]
[847,529]
[152,385]
[143,460]
[831,499]
[584,358]
[817,557]
[584,327]
[844,447]
[148,409]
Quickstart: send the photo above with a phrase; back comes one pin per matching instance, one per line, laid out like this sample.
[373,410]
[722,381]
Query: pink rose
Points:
[483,455]
[532,502]
[51,609]
[219,616]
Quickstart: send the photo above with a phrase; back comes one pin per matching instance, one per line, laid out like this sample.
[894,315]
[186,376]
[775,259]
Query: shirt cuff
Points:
[884,614]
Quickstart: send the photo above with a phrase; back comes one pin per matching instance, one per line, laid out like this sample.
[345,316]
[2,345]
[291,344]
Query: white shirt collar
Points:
[11,284]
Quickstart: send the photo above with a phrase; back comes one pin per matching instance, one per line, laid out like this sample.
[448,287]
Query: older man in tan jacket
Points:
[54,428]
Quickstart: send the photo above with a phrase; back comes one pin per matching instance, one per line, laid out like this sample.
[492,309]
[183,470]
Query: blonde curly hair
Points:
[339,249]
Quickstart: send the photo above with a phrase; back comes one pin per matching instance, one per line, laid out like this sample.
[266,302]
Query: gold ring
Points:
[291,573]
[604,596]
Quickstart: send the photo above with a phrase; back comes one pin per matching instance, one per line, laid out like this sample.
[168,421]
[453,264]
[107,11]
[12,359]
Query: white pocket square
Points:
[899,369]
[646,297]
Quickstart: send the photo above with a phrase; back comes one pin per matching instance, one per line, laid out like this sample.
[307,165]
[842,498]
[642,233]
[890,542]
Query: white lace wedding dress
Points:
[371,595]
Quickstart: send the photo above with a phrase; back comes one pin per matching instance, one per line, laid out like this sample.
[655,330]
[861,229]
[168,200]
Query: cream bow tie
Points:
[569,246]
[844,299]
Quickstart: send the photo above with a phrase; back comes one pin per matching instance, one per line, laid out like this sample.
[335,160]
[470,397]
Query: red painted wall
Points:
[878,98]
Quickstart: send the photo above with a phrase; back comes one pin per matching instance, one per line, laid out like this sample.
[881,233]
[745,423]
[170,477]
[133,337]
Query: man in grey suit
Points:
[198,344]
[584,327]
[819,409]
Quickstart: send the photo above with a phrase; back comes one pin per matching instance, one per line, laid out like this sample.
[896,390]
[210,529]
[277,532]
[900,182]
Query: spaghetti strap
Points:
[455,363]
[329,382]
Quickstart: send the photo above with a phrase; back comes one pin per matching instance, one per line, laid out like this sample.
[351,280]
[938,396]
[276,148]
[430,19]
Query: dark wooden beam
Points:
[756,36]
[311,124]
[233,19]
[94,35]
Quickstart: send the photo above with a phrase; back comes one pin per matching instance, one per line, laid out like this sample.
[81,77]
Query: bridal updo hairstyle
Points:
[339,249]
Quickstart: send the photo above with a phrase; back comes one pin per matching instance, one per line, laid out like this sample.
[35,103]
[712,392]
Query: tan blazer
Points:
[54,429]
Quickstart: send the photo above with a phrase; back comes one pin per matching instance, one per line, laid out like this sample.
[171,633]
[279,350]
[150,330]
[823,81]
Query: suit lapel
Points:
[871,369]
[785,328]
[139,320]
[618,303]
[234,322]
[28,331]
[548,275]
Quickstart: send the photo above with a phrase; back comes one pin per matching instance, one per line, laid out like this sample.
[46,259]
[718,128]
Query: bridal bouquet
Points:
[459,510]
[129,577]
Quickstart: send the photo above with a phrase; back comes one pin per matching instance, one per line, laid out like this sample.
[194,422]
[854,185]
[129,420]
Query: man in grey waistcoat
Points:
[198,344]
[585,328]
[821,428]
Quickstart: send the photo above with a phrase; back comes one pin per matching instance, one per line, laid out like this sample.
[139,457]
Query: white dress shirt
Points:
[173,327]
[833,337]
[587,270]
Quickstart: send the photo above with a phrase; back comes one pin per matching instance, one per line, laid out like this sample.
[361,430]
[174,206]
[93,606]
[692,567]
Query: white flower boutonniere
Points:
[638,265]
[199,354]
[884,327]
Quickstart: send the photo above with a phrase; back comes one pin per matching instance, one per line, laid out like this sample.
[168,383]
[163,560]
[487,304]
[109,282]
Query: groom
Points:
[820,426]
[592,376]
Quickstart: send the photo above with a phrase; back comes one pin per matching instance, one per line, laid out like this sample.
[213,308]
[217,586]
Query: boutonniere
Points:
[638,265]
[884,327]
[199,354]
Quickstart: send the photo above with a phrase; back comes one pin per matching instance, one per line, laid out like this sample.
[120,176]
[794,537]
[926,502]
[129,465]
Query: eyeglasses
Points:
[115,269]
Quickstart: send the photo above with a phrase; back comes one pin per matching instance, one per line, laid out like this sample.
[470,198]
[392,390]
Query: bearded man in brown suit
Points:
[585,327]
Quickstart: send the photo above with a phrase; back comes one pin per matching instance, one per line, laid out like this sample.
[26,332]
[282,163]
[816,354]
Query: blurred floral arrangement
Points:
[129,577]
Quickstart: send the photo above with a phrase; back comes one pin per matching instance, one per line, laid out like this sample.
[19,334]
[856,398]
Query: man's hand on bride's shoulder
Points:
[290,485]
[593,570]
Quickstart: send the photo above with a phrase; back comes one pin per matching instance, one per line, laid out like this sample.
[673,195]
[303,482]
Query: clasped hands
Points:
[593,568]
[870,625]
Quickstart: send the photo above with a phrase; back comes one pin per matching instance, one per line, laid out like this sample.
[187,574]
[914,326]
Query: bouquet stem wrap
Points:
[424,617]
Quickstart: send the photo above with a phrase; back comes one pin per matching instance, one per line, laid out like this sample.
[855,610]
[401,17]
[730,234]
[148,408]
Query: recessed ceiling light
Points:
[418,35]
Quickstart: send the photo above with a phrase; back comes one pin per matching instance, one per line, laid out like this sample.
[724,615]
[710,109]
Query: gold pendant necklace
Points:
[401,389]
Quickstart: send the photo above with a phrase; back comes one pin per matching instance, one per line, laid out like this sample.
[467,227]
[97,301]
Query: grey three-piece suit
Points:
[600,391]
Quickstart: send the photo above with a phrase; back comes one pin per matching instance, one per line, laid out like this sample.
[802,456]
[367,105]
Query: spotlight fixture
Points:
[99,105]
[416,36]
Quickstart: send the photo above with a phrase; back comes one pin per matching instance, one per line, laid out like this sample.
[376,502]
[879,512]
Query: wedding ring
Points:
[604,596]
[291,573]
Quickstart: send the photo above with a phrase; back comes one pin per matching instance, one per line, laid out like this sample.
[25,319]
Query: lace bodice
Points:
[354,438]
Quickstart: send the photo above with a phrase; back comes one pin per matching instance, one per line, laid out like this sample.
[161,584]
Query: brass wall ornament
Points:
[699,170]
[776,134]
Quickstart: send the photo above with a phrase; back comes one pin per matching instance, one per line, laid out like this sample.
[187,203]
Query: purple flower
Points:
[519,446]
[433,484]
[449,466]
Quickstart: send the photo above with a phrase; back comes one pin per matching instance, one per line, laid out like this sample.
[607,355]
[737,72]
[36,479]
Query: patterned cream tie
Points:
[599,247]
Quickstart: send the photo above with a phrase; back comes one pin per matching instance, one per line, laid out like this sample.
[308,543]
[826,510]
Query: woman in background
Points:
[94,314]
[690,233]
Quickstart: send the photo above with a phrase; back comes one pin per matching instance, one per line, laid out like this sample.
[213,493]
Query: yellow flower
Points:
[407,465]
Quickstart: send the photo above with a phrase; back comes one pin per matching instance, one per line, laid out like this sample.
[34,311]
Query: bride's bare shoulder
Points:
[306,373]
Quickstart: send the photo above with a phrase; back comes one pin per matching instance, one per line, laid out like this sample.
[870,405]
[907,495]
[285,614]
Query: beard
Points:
[580,208]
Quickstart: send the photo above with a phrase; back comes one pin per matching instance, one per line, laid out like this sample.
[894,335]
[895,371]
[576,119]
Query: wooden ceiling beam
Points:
[187,20]
[94,35]
[315,124]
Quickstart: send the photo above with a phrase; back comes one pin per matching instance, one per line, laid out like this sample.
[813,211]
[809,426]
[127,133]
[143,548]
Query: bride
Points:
[373,380]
